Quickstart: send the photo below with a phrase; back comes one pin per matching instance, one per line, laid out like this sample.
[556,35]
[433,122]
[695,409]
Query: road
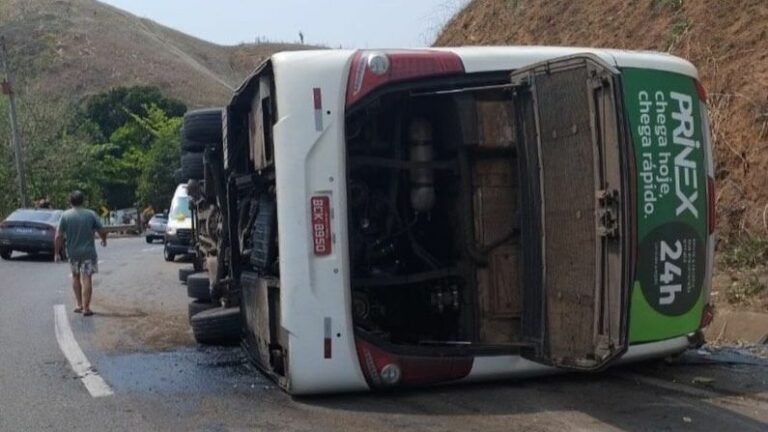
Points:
[139,343]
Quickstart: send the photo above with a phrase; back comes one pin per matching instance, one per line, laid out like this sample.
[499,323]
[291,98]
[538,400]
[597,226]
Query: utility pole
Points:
[7,89]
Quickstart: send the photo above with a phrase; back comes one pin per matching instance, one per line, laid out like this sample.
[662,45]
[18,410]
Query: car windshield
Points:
[46,216]
[158,218]
[180,208]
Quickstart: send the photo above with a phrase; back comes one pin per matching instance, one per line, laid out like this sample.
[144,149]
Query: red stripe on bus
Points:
[318,98]
[327,348]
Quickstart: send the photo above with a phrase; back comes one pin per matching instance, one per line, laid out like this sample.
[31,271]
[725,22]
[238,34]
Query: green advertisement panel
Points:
[665,120]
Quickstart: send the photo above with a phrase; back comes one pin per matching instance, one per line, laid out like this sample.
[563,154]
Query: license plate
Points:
[321,224]
[24,230]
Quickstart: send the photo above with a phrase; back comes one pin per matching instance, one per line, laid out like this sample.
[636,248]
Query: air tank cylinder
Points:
[422,178]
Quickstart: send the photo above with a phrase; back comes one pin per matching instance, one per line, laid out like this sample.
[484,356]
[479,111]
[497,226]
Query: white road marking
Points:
[95,385]
[151,249]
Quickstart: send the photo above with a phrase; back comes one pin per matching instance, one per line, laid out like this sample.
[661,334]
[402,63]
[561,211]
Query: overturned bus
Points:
[413,217]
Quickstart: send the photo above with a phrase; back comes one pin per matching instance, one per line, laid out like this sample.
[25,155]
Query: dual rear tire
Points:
[215,325]
[202,129]
[211,324]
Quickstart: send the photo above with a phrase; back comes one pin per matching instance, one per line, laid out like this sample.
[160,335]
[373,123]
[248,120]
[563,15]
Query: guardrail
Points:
[131,229]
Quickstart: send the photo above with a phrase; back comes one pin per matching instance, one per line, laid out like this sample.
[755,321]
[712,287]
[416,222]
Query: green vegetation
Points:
[679,27]
[746,258]
[156,183]
[746,252]
[745,288]
[120,148]
[114,109]
[669,4]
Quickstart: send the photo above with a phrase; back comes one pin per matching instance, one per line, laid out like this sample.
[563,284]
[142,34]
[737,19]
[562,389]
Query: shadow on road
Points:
[31,257]
[613,398]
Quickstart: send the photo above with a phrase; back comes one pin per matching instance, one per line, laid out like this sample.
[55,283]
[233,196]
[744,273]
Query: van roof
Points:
[181,190]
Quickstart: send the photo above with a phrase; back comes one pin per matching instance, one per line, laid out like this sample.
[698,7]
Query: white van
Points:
[178,231]
[413,217]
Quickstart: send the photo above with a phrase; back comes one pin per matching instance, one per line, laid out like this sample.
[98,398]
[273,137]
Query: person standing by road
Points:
[76,230]
[146,215]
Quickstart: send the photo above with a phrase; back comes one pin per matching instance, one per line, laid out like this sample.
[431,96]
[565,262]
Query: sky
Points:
[333,23]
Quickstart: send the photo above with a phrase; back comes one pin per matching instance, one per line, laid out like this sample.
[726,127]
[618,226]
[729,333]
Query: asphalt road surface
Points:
[139,343]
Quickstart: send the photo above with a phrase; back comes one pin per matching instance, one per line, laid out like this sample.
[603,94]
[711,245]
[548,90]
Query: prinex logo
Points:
[686,178]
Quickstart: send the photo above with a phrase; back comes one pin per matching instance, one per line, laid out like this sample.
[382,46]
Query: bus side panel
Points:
[668,294]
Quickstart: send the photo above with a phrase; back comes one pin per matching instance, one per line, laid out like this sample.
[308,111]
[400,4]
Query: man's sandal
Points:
[87,312]
[78,310]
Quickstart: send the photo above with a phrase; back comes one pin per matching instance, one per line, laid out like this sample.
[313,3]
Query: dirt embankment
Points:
[728,42]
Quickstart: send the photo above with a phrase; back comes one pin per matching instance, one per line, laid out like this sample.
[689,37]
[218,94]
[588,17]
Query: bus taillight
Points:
[373,69]
[384,369]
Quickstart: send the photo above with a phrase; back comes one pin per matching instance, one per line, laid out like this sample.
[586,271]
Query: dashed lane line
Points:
[92,381]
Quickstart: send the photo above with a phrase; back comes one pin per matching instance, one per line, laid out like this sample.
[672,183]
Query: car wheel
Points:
[219,326]
[149,239]
[199,286]
[192,167]
[203,125]
[168,255]
[184,273]
[197,306]
[6,253]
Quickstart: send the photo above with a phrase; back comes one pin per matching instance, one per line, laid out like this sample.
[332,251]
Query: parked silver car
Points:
[156,228]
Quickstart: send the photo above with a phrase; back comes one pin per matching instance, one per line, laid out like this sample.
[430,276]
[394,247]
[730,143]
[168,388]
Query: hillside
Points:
[727,41]
[80,47]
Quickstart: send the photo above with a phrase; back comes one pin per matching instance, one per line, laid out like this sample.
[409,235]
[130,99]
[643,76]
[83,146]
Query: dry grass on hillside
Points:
[66,48]
[726,40]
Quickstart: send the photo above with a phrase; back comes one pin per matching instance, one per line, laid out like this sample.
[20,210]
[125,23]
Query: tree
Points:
[125,118]
[112,110]
[66,149]
[156,183]
[58,158]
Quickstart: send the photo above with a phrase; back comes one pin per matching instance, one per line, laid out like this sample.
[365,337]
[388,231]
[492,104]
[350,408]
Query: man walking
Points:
[76,230]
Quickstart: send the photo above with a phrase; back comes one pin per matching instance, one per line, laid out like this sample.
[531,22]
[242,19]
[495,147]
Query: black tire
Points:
[203,125]
[149,239]
[193,146]
[219,326]
[197,306]
[199,286]
[6,254]
[168,255]
[178,176]
[184,272]
[192,166]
